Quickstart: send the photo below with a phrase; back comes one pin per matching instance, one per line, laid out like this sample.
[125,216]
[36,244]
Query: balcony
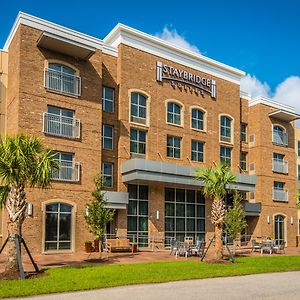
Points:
[280,194]
[62,82]
[280,138]
[61,126]
[68,171]
[280,166]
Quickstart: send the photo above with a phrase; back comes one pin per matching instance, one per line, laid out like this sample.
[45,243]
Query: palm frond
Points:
[3,195]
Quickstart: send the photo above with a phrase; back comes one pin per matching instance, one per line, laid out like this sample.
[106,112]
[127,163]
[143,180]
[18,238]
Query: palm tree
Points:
[215,181]
[24,162]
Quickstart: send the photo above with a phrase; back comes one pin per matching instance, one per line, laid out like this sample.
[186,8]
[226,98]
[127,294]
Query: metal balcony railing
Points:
[280,194]
[62,82]
[280,166]
[68,171]
[61,126]
[280,138]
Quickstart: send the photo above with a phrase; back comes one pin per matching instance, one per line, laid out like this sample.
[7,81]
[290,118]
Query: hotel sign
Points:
[185,80]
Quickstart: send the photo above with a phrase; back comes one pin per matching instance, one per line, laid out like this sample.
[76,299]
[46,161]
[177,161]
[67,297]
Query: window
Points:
[225,130]
[197,151]
[61,122]
[278,185]
[58,225]
[197,119]
[184,215]
[243,132]
[298,148]
[68,169]
[173,146]
[137,141]
[138,108]
[137,218]
[243,161]
[108,95]
[107,137]
[279,192]
[279,135]
[279,164]
[107,174]
[62,79]
[173,113]
[298,172]
[225,155]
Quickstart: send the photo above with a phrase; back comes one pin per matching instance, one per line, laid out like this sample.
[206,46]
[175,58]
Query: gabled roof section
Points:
[126,35]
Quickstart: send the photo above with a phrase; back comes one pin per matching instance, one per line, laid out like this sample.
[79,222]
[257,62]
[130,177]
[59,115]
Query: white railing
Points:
[61,126]
[280,138]
[62,82]
[280,166]
[68,171]
[280,194]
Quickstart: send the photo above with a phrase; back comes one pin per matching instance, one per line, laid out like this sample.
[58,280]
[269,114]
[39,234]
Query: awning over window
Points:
[284,115]
[116,200]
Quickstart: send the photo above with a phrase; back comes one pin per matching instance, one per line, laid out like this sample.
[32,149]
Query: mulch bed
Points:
[12,275]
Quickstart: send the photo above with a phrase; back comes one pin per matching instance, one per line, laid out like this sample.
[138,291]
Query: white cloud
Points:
[173,37]
[254,87]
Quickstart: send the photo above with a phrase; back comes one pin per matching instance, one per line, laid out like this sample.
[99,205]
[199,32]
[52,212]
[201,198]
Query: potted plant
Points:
[96,244]
[88,246]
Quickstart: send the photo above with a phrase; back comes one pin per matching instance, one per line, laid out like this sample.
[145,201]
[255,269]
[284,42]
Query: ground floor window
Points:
[184,214]
[58,226]
[137,215]
[279,229]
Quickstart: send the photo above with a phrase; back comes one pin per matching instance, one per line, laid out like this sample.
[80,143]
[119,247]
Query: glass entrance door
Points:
[279,229]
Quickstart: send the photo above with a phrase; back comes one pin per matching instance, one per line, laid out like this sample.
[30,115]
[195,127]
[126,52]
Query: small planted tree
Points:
[98,215]
[235,219]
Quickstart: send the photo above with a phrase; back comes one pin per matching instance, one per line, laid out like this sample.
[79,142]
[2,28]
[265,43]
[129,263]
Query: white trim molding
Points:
[271,103]
[126,35]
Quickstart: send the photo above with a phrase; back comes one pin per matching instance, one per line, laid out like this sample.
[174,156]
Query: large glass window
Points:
[137,214]
[184,214]
[63,79]
[243,161]
[197,119]
[137,141]
[107,137]
[107,174]
[279,136]
[243,132]
[138,108]
[173,146]
[197,151]
[225,129]
[279,229]
[58,226]
[108,95]
[174,113]
[225,155]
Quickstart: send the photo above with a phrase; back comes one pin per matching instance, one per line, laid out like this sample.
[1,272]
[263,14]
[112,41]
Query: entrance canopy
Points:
[142,171]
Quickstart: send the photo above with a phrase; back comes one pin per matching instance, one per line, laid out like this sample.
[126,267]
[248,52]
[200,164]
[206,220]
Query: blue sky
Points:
[260,37]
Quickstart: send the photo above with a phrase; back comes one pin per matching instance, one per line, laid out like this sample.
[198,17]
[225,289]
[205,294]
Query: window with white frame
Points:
[138,108]
[280,136]
[108,95]
[63,79]
[173,146]
[225,129]
[137,141]
[197,149]
[243,161]
[174,113]
[107,174]
[107,136]
[197,119]
[225,155]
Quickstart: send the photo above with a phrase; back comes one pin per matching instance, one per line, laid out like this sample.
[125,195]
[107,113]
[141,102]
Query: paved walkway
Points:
[263,286]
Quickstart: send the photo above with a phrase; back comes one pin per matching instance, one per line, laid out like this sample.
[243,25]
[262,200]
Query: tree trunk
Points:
[218,243]
[16,206]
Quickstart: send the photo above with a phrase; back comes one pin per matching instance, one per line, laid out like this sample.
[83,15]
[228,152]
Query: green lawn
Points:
[102,276]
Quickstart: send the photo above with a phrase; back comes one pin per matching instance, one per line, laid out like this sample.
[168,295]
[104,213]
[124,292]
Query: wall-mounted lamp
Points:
[268,219]
[292,221]
[87,211]
[30,209]
[157,215]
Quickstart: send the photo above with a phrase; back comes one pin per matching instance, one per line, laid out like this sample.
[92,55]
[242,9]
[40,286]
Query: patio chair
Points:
[267,246]
[280,247]
[182,250]
[173,246]
[198,249]
[255,245]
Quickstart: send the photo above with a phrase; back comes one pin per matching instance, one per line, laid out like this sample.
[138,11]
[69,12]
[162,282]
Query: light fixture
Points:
[157,215]
[30,209]
[292,221]
[87,211]
[268,219]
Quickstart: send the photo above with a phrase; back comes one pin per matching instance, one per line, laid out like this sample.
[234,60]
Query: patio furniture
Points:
[279,248]
[183,249]
[255,245]
[173,246]
[267,246]
[155,242]
[189,240]
[117,245]
[198,249]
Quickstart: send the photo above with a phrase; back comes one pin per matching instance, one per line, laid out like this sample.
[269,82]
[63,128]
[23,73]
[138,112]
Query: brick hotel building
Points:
[146,114]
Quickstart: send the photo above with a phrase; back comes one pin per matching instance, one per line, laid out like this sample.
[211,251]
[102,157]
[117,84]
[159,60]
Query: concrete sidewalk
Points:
[263,286]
